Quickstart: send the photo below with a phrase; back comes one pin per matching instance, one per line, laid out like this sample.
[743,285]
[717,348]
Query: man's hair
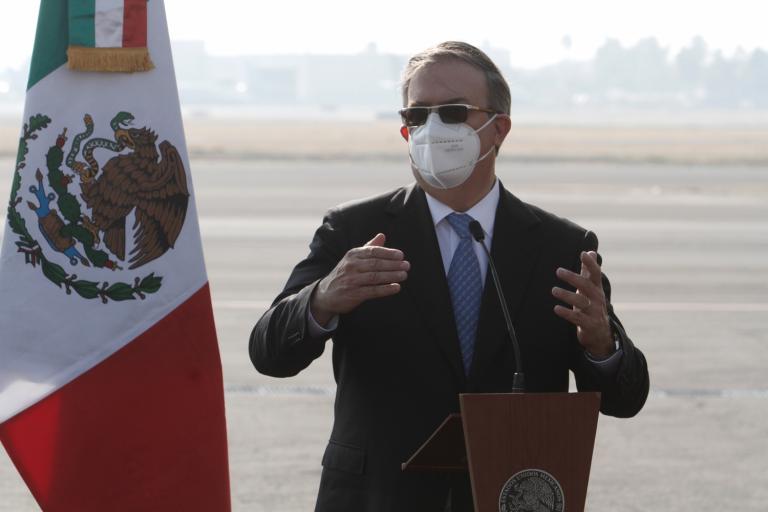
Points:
[498,89]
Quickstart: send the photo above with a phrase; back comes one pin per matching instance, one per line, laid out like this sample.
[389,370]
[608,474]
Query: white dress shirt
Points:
[484,212]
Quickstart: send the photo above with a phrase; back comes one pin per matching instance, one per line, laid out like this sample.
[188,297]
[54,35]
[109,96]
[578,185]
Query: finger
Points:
[381,290]
[374,248]
[584,270]
[589,261]
[378,264]
[374,251]
[378,240]
[374,278]
[576,280]
[583,285]
[576,300]
[574,316]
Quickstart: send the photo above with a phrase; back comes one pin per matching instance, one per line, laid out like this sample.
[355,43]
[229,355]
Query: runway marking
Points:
[246,389]
[248,305]
[655,307]
[710,393]
[677,307]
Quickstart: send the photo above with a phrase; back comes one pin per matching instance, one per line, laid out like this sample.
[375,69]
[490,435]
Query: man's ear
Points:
[404,132]
[502,124]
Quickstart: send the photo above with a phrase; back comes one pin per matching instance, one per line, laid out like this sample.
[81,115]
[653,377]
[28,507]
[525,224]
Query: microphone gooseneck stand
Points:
[518,379]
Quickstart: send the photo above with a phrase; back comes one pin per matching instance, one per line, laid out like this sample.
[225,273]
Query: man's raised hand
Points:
[364,273]
[588,311]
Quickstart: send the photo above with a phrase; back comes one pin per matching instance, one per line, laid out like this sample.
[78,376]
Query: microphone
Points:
[518,379]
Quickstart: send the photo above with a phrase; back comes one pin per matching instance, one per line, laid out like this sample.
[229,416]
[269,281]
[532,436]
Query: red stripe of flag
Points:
[143,430]
[135,24]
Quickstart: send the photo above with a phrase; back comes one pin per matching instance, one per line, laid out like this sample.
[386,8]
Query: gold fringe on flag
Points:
[117,60]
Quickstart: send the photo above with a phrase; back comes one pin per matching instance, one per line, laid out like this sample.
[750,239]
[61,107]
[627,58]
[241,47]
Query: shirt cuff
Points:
[609,365]
[318,331]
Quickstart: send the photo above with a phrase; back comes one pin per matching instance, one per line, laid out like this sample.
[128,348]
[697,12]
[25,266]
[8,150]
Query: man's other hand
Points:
[364,273]
[588,311]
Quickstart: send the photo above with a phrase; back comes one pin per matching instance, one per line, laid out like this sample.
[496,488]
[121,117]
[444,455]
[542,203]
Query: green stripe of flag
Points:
[82,31]
[50,40]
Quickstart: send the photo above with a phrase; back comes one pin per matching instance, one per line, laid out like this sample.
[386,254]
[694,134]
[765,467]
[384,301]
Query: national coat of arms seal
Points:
[532,490]
[81,217]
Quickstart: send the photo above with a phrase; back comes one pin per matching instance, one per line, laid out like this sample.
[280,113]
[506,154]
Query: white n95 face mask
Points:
[445,154]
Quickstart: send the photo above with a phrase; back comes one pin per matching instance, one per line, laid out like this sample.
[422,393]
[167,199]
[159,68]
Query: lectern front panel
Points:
[529,450]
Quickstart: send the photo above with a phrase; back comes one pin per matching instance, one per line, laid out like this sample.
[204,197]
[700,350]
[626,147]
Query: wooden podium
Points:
[523,451]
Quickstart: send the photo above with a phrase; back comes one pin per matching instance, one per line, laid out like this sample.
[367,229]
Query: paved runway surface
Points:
[686,249]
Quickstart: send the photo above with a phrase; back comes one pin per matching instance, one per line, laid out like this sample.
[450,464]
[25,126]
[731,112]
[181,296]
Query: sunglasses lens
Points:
[451,114]
[414,116]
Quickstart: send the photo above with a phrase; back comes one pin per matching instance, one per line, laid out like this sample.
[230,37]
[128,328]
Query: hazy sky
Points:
[533,31]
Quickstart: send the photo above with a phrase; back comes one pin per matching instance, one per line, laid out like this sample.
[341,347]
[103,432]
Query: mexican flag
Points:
[111,393]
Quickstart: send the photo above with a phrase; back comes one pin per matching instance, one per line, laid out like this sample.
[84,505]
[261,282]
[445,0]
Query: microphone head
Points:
[477,231]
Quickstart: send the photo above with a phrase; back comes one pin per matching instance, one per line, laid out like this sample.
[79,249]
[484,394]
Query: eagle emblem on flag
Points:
[139,179]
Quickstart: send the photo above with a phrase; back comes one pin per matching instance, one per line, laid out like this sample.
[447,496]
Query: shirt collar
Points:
[484,211]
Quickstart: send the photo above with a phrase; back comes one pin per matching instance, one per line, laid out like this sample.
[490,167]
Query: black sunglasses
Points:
[449,114]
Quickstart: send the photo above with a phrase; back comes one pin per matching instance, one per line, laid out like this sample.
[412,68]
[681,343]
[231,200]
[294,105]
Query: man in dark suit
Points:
[403,290]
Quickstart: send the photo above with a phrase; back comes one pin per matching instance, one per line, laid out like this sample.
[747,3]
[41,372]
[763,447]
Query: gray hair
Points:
[498,89]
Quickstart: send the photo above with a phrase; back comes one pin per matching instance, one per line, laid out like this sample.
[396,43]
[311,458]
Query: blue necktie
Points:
[465,286]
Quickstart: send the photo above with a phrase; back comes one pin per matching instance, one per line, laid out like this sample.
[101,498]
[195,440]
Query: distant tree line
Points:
[647,74]
[643,75]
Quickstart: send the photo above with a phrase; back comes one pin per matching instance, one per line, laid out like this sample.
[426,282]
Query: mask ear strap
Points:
[492,147]
[432,174]
[486,154]
[493,117]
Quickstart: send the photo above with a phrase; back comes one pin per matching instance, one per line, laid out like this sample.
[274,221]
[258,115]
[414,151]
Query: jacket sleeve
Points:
[624,392]
[280,344]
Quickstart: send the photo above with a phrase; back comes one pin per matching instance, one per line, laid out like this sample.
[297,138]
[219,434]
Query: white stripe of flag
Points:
[108,20]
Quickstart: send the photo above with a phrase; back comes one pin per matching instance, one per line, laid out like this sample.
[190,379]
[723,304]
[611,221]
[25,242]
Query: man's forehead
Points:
[449,81]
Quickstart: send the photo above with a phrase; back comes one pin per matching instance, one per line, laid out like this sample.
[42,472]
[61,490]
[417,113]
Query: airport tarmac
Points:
[685,247]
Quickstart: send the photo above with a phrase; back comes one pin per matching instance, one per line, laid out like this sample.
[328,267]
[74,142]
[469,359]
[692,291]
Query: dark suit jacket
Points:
[397,361]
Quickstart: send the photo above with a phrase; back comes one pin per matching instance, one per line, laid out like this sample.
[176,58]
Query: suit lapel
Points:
[514,249]
[414,233]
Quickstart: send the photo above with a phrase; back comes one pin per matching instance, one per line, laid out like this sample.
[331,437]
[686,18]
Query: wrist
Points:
[605,350]
[604,353]
[321,315]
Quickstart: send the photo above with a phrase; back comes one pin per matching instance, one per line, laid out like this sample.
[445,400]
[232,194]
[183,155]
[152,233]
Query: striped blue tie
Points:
[465,286]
